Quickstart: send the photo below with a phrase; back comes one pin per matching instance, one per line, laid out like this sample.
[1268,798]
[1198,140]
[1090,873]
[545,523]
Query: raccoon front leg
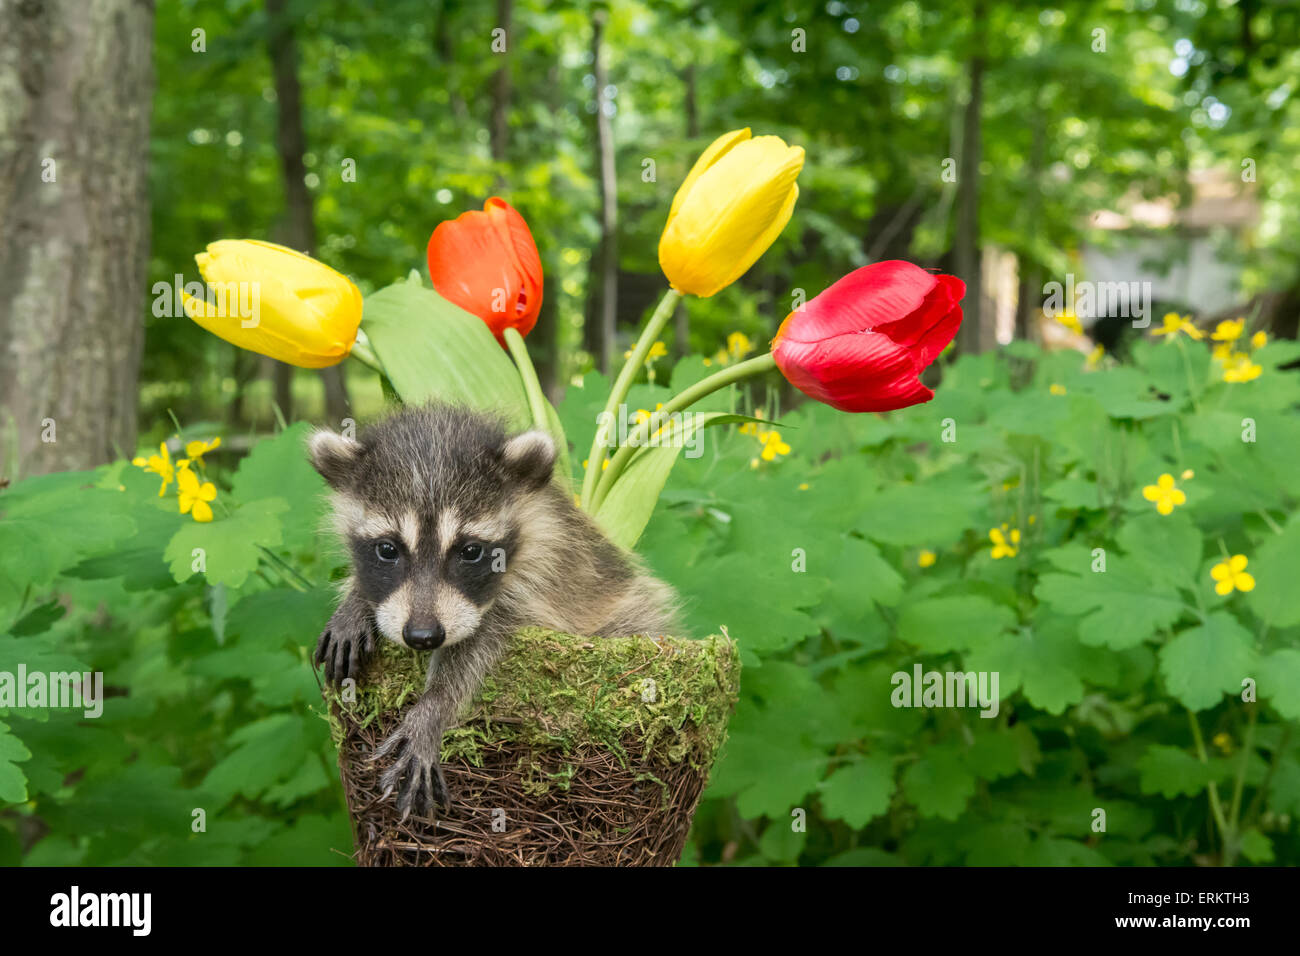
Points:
[455,673]
[348,639]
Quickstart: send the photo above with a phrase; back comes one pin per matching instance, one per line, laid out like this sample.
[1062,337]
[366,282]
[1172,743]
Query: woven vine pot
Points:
[576,752]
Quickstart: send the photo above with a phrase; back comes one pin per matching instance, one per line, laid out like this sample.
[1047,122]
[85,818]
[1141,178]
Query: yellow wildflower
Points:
[1095,356]
[1223,741]
[1188,474]
[738,344]
[1165,494]
[195,450]
[1259,340]
[1004,545]
[773,446]
[160,464]
[1057,389]
[926,558]
[1229,330]
[1239,368]
[194,497]
[1175,323]
[1221,352]
[1231,574]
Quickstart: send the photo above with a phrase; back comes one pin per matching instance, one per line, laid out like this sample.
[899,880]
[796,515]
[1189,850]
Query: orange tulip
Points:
[487,263]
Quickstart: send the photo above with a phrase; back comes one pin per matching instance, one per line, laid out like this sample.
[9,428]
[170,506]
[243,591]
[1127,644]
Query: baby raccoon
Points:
[459,537]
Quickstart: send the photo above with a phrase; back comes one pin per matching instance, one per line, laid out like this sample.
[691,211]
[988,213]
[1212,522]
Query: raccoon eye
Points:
[387,552]
[471,552]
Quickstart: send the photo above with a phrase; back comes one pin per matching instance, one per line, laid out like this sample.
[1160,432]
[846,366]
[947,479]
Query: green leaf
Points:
[312,841]
[953,623]
[279,617]
[1123,605]
[936,512]
[50,523]
[13,783]
[1075,492]
[1203,663]
[1256,847]
[267,752]
[1284,789]
[431,349]
[727,593]
[860,580]
[1276,569]
[1003,752]
[1168,547]
[939,784]
[1045,661]
[1279,681]
[859,792]
[1172,772]
[279,468]
[229,546]
[781,842]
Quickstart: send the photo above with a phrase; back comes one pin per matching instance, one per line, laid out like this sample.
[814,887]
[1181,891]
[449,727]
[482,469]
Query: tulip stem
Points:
[532,387]
[684,399]
[362,352]
[618,393]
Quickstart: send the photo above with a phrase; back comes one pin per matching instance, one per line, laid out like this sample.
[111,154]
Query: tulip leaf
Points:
[627,507]
[432,349]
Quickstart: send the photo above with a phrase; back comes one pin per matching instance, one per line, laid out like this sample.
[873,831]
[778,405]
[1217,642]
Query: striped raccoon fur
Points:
[458,537]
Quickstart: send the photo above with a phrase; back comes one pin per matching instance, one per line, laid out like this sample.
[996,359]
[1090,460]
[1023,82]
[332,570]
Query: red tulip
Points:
[487,263]
[862,344]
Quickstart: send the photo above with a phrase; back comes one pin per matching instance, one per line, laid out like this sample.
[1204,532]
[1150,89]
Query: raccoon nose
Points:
[423,638]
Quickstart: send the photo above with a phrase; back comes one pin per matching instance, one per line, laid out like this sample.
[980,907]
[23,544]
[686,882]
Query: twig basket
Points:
[576,752]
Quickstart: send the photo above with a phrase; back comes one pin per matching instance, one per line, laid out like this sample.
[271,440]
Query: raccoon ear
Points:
[333,456]
[530,457]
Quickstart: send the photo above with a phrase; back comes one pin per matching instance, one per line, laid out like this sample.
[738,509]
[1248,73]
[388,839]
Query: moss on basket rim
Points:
[560,693]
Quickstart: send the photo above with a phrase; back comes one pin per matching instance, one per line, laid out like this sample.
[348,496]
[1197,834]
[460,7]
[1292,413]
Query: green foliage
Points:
[210,701]
[1120,669]
[1104,627]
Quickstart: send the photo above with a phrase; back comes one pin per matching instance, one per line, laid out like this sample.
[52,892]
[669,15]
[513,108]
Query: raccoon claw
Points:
[342,649]
[415,777]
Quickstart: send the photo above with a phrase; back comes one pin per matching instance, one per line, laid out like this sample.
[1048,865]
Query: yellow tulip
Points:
[732,206]
[277,302]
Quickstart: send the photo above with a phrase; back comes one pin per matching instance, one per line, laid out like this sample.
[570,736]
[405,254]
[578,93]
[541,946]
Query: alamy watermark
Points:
[236,299]
[84,692]
[1095,300]
[946,689]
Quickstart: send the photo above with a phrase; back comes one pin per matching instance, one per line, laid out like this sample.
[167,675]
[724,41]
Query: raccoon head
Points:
[430,502]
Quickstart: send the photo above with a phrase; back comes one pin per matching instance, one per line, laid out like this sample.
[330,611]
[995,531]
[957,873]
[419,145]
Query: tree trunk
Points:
[446,49]
[608,200]
[76,84]
[300,222]
[1030,298]
[966,246]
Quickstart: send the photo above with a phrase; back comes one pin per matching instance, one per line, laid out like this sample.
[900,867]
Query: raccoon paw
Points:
[343,648]
[415,774]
